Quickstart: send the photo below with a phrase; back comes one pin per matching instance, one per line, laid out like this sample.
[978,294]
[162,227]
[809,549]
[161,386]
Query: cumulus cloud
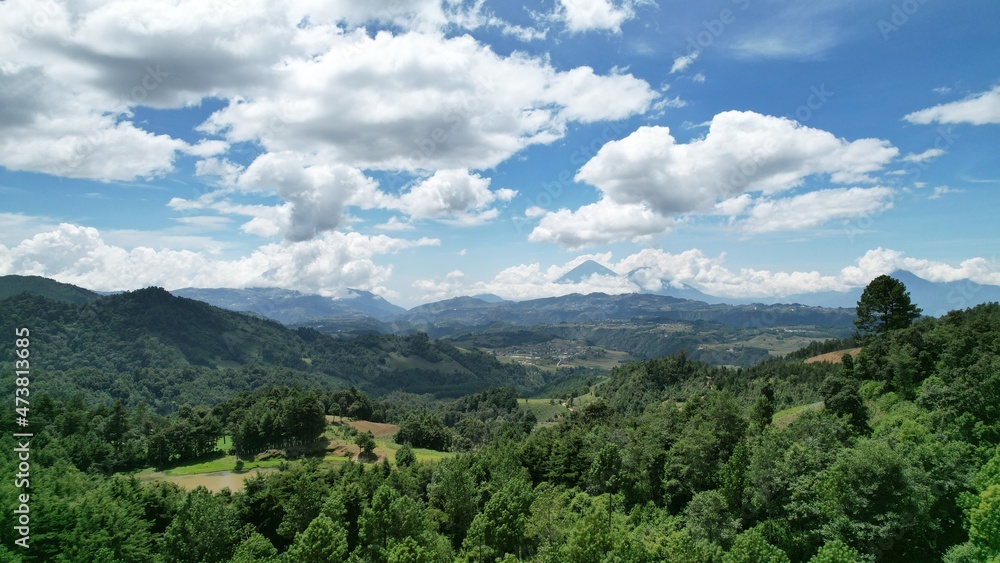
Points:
[452,194]
[325,101]
[453,103]
[929,154]
[598,223]
[323,265]
[683,62]
[979,109]
[654,269]
[594,15]
[648,177]
[317,194]
[742,152]
[814,209]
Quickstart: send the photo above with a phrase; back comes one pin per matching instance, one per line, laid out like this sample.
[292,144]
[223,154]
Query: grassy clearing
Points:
[221,463]
[338,451]
[785,417]
[544,411]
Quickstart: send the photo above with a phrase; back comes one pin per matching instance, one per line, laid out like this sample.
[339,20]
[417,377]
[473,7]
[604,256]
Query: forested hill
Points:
[14,285]
[124,336]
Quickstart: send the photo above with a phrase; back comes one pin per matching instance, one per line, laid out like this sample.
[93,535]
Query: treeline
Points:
[274,419]
[108,439]
[465,423]
[675,379]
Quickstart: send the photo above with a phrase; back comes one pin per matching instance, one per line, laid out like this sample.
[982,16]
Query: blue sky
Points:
[423,149]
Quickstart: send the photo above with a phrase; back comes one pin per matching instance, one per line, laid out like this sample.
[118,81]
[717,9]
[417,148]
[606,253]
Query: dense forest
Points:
[890,455]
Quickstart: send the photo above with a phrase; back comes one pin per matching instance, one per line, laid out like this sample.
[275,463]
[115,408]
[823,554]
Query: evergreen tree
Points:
[405,456]
[322,541]
[885,305]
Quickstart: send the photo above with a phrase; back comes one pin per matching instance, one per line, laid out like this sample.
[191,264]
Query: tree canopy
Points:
[885,305]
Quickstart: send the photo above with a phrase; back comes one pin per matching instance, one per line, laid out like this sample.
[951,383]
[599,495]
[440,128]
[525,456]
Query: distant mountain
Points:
[601,308]
[586,269]
[489,298]
[292,307]
[847,299]
[13,285]
[641,276]
[935,298]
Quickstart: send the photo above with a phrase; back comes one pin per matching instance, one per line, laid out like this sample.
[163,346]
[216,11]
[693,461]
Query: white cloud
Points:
[652,269]
[647,179]
[941,191]
[683,62]
[299,76]
[324,265]
[15,227]
[594,15]
[692,267]
[814,209]
[395,224]
[979,109]
[742,152]
[598,223]
[457,195]
[422,102]
[929,154]
[884,261]
[317,194]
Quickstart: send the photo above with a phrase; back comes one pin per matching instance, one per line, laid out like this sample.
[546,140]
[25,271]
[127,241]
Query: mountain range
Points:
[359,310]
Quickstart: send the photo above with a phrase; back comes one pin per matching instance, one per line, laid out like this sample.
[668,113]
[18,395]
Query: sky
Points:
[422,149]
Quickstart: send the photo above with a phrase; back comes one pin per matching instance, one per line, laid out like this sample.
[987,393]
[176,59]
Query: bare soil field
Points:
[833,357]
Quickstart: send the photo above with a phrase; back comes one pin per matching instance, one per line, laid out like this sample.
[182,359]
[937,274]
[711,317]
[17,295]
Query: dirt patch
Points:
[833,357]
[214,482]
[378,429]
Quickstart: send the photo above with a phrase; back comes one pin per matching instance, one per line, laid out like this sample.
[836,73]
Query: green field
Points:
[785,417]
[544,411]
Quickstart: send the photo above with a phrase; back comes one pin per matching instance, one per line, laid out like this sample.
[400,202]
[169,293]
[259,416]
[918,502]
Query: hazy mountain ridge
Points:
[293,307]
[600,308]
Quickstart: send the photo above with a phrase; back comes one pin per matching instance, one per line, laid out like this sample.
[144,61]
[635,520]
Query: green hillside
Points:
[119,338]
[13,285]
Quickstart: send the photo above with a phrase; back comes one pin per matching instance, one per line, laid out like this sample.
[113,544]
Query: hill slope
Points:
[121,335]
[13,285]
